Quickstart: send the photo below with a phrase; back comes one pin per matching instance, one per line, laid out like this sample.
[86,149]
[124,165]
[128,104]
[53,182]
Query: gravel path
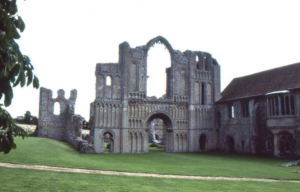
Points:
[90,171]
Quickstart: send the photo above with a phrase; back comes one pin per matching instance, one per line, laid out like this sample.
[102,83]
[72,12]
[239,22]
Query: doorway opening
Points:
[108,142]
[230,144]
[202,143]
[160,132]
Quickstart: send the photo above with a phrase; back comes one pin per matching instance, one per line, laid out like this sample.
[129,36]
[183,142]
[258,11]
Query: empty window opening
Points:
[197,62]
[108,80]
[202,93]
[158,61]
[231,111]
[56,110]
[204,62]
[243,144]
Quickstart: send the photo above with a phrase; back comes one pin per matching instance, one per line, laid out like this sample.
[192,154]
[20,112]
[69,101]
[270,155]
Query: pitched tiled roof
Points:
[282,78]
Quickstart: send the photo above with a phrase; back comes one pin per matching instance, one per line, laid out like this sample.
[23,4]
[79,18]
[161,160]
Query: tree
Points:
[15,69]
[27,117]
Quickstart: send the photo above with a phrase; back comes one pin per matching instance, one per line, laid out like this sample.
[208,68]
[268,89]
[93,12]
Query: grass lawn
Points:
[34,180]
[42,151]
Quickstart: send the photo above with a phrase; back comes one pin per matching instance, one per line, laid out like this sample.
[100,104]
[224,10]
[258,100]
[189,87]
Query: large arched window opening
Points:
[158,61]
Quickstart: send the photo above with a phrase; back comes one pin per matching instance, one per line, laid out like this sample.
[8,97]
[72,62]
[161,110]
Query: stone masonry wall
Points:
[63,127]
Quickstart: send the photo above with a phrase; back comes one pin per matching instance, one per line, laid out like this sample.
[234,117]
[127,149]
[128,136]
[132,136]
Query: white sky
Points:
[66,38]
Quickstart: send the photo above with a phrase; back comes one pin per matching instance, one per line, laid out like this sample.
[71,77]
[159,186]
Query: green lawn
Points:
[34,180]
[42,151]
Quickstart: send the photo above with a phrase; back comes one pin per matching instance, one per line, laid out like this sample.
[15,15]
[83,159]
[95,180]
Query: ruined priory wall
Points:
[63,127]
[241,129]
[51,125]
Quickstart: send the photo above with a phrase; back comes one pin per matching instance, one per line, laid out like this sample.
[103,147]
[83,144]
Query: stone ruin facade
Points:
[63,127]
[252,115]
[124,110]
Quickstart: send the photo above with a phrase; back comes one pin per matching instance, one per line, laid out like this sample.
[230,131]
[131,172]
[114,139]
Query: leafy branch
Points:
[15,69]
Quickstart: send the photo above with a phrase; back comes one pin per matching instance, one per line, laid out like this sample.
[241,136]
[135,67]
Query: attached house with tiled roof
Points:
[260,113]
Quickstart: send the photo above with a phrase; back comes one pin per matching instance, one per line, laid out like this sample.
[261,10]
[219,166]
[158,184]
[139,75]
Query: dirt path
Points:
[90,171]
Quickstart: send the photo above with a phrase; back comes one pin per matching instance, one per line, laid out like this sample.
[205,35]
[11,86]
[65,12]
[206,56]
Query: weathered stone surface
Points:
[124,110]
[63,127]
[190,117]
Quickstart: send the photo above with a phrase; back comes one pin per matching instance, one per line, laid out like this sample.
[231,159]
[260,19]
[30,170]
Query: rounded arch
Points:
[109,132]
[160,115]
[135,61]
[285,141]
[162,40]
[107,136]
[108,80]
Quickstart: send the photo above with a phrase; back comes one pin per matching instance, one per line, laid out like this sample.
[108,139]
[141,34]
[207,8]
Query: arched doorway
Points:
[202,142]
[156,131]
[167,129]
[108,142]
[285,143]
[230,144]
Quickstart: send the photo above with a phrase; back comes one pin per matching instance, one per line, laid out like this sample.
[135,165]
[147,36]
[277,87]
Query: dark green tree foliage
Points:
[27,119]
[15,69]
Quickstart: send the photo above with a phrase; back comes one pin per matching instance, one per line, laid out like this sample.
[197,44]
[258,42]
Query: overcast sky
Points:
[66,38]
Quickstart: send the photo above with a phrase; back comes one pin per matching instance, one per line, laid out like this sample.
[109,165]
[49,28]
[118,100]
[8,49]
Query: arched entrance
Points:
[108,142]
[202,142]
[230,144]
[285,143]
[167,126]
